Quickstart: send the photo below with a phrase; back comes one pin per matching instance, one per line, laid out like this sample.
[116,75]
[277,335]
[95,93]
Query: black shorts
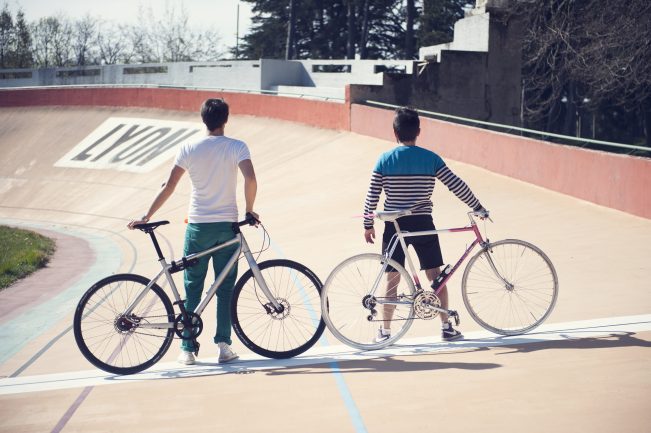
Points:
[427,247]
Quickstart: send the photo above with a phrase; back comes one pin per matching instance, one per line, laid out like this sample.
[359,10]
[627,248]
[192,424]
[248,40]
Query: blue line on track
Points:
[344,391]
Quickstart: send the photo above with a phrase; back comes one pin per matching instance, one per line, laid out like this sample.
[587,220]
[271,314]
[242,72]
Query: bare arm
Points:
[250,184]
[163,195]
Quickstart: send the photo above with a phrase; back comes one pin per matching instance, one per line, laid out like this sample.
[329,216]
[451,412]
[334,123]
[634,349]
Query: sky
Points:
[220,15]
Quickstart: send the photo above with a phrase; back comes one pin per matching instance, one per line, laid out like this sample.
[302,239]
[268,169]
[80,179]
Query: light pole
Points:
[237,32]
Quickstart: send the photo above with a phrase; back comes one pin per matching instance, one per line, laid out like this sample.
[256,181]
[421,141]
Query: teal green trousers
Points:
[198,237]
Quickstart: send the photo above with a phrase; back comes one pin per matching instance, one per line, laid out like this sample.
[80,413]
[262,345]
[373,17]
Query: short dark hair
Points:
[406,124]
[214,113]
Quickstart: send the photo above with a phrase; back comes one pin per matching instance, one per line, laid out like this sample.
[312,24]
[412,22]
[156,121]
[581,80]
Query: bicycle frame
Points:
[174,266]
[399,238]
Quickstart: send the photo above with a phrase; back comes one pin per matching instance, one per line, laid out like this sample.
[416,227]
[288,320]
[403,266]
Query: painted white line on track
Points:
[327,354]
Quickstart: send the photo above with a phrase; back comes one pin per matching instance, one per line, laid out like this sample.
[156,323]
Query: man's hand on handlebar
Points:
[482,214]
[252,218]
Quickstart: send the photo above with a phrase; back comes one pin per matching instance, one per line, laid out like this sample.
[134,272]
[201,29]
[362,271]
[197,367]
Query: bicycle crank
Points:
[455,316]
[190,328]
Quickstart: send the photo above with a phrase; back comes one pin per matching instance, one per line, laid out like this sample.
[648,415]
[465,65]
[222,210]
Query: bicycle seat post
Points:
[155,241]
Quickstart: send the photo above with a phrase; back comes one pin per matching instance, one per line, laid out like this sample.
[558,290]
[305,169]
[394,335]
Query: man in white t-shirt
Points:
[212,164]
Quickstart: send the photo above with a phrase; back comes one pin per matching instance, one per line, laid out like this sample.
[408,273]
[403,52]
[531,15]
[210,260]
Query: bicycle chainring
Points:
[424,303]
[195,329]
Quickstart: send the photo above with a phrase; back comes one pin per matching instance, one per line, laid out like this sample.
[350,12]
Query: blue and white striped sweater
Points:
[407,175]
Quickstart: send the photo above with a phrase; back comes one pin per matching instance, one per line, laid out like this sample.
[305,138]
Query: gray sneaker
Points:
[226,354]
[185,358]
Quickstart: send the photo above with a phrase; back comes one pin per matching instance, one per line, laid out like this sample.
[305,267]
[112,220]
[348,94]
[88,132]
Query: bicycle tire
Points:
[102,336]
[516,309]
[342,302]
[289,333]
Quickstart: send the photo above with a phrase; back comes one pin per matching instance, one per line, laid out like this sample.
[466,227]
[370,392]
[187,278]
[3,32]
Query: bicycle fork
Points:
[255,269]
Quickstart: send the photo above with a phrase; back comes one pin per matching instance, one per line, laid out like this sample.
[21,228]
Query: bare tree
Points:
[7,37]
[593,55]
[111,43]
[169,38]
[62,42]
[84,39]
[42,41]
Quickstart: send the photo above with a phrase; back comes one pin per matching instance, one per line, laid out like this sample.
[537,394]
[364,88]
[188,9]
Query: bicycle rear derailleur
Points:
[369,302]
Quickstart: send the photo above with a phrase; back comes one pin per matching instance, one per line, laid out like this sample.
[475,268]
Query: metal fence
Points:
[588,143]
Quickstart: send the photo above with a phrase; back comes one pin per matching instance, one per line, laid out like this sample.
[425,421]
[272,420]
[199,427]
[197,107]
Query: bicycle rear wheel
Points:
[119,343]
[510,287]
[356,288]
[267,332]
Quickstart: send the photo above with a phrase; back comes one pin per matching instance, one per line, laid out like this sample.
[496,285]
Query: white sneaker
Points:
[226,354]
[186,358]
[382,335]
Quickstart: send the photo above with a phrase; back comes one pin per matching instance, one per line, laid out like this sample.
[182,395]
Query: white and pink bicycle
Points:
[509,287]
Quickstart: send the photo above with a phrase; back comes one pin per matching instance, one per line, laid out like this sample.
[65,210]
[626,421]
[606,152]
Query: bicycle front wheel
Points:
[356,302]
[510,287]
[268,332]
[116,342]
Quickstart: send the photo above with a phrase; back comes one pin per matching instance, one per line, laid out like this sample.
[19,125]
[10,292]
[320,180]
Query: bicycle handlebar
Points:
[393,215]
[482,214]
[249,220]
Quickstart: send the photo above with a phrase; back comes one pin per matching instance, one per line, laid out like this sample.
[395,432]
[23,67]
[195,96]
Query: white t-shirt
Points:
[212,164]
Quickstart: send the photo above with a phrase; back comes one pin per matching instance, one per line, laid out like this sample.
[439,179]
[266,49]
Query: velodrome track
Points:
[587,369]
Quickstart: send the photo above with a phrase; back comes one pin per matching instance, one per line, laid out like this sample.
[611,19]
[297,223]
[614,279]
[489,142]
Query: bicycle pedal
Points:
[455,315]
[196,347]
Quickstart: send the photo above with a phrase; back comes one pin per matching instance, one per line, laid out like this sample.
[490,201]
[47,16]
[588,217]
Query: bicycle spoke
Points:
[520,304]
[285,333]
[354,292]
[114,342]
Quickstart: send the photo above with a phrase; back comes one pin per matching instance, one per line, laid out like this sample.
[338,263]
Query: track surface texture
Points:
[586,370]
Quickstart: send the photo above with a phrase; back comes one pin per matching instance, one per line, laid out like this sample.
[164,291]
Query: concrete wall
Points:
[483,85]
[617,181]
[311,112]
[470,34]
[457,86]
[231,75]
[265,74]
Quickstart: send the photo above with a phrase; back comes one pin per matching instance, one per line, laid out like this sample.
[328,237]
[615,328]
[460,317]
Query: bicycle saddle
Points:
[391,215]
[150,226]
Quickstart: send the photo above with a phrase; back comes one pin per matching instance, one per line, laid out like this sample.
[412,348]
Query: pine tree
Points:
[7,38]
[23,57]
[436,22]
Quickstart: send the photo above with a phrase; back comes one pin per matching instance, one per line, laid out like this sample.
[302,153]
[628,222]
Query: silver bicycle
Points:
[509,287]
[125,323]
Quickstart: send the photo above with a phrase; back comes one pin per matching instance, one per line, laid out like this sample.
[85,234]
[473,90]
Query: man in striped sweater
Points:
[407,175]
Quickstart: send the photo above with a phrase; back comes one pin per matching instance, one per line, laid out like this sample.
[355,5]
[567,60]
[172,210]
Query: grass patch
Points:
[21,253]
